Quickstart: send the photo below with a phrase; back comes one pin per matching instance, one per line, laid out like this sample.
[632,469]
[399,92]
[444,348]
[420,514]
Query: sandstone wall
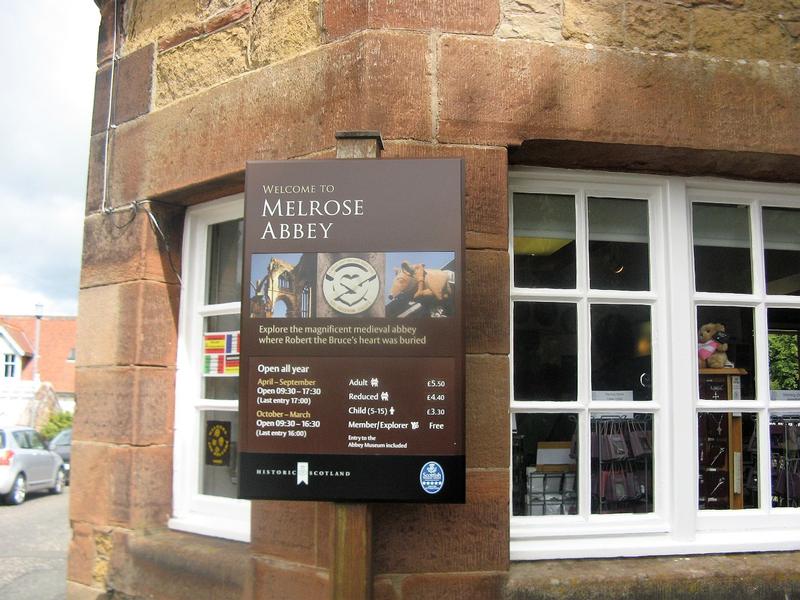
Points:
[201,86]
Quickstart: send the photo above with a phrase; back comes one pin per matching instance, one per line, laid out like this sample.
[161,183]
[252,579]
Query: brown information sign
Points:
[352,352]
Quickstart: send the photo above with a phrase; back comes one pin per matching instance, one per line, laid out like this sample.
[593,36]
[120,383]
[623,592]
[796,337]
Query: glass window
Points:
[782,250]
[622,464]
[621,352]
[207,389]
[726,353]
[9,365]
[662,369]
[722,248]
[784,353]
[619,253]
[544,241]
[545,351]
[224,283]
[545,451]
[784,444]
[727,460]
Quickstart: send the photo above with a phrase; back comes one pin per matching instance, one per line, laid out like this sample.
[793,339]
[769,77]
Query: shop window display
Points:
[665,370]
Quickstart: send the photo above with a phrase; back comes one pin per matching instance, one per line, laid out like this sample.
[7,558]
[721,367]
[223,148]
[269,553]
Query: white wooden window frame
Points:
[676,526]
[193,511]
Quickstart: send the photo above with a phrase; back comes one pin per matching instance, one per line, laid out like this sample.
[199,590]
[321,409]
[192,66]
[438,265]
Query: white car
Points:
[26,465]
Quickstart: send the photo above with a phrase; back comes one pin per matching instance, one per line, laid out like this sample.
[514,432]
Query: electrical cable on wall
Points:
[135,205]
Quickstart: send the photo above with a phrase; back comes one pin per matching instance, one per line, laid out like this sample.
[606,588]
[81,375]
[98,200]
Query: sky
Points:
[47,62]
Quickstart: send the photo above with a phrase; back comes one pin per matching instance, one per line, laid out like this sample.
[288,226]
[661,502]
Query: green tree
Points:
[784,362]
[57,422]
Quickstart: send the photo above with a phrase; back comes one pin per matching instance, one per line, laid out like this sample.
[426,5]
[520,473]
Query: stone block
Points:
[375,80]
[519,90]
[485,187]
[276,579]
[486,302]
[124,246]
[384,588]
[78,591]
[487,405]
[654,26]
[531,19]
[429,538]
[96,174]
[595,21]
[455,586]
[457,16]
[128,324]
[201,63]
[133,89]
[738,34]
[80,559]
[119,485]
[151,20]
[105,35]
[343,17]
[285,530]
[125,405]
[170,565]
[285,28]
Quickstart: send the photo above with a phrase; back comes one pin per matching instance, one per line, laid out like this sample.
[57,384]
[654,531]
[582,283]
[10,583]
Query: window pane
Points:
[782,250]
[219,470]
[784,443]
[622,464]
[722,248]
[545,451]
[726,353]
[728,460]
[224,281]
[544,241]
[621,352]
[618,244]
[545,351]
[784,357]
[221,358]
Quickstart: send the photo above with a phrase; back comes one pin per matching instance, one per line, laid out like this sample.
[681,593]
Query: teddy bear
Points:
[712,346]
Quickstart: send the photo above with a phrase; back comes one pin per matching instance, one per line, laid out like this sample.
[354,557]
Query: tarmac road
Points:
[34,537]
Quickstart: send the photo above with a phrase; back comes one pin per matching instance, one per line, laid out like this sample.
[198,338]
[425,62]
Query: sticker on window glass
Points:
[221,353]
[218,443]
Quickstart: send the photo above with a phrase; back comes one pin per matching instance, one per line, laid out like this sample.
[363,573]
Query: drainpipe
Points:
[38,312]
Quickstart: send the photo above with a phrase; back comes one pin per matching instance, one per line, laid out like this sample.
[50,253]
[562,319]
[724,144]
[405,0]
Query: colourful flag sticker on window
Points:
[221,353]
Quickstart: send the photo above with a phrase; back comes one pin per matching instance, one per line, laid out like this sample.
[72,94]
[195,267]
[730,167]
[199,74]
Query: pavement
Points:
[34,537]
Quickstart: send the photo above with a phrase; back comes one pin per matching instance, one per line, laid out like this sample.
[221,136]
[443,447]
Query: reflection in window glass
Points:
[544,241]
[622,464]
[545,464]
[224,283]
[784,447]
[782,250]
[621,352]
[721,248]
[727,460]
[726,353]
[618,244]
[219,470]
[545,351]
[784,355]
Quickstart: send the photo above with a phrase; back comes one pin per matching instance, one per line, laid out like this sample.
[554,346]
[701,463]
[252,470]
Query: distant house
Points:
[56,364]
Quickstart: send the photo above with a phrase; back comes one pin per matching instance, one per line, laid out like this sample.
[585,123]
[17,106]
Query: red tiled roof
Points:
[56,343]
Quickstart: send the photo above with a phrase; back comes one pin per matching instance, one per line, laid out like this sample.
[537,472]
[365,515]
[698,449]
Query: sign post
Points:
[352,353]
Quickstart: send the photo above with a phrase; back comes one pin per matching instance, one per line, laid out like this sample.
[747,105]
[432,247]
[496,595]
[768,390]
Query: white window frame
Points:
[676,526]
[192,511]
[11,361]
